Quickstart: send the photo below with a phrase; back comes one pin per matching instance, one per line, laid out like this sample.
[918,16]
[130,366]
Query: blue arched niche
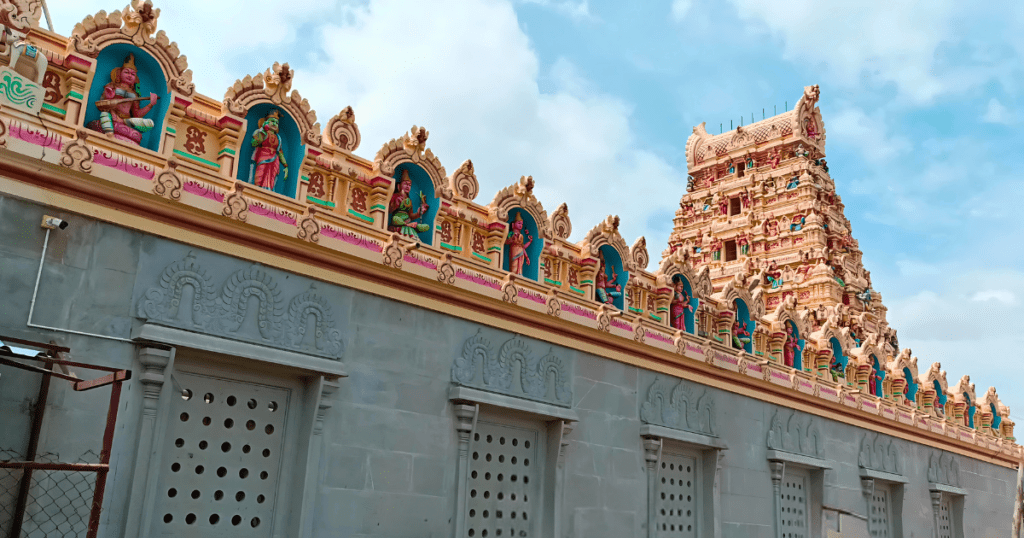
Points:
[940,396]
[970,410]
[151,80]
[531,270]
[743,317]
[612,261]
[292,146]
[688,315]
[837,352]
[996,419]
[798,357]
[911,384]
[421,183]
[879,376]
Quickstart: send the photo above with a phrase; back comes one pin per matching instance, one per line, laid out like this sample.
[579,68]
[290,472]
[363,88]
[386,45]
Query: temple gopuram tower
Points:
[762,211]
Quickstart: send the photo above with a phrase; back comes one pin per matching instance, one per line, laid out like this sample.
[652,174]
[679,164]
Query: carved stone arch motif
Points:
[964,386]
[607,233]
[163,302]
[935,373]
[412,148]
[135,24]
[520,195]
[905,361]
[20,15]
[944,468]
[792,434]
[732,291]
[342,130]
[325,337]
[880,453]
[561,226]
[786,312]
[498,370]
[694,142]
[272,86]
[463,181]
[806,110]
[680,405]
[638,254]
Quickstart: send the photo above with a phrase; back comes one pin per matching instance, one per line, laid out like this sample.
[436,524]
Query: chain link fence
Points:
[59,502]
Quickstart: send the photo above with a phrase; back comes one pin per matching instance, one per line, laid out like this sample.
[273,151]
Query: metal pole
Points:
[33,446]
[46,11]
[101,475]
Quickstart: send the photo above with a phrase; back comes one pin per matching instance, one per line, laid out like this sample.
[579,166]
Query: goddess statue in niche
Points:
[680,305]
[402,218]
[740,335]
[790,347]
[605,287]
[873,381]
[268,152]
[773,276]
[518,241]
[121,117]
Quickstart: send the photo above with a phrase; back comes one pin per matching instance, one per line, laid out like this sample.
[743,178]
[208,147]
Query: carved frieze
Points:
[880,454]
[248,307]
[791,434]
[943,468]
[680,405]
[480,367]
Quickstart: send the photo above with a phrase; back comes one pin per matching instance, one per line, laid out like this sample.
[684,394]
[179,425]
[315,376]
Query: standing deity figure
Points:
[773,276]
[403,219]
[605,287]
[873,382]
[740,335]
[121,117]
[680,306]
[518,241]
[865,297]
[268,152]
[790,348]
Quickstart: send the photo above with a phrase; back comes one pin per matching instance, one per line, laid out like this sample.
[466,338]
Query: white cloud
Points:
[916,269]
[1002,296]
[997,113]
[680,8]
[852,127]
[471,77]
[579,10]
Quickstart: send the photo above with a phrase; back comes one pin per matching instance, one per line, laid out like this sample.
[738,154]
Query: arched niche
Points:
[291,146]
[745,324]
[837,353]
[940,397]
[911,383]
[970,410]
[876,365]
[529,235]
[798,352]
[151,79]
[615,277]
[996,419]
[679,316]
[422,190]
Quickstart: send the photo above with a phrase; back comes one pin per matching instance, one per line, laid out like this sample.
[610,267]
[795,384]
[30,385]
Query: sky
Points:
[921,100]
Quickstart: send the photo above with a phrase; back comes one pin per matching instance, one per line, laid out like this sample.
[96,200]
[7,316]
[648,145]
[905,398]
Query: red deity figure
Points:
[402,217]
[518,241]
[121,117]
[740,335]
[605,287]
[268,152]
[791,346]
[680,306]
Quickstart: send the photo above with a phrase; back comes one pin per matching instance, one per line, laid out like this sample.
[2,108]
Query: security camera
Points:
[53,223]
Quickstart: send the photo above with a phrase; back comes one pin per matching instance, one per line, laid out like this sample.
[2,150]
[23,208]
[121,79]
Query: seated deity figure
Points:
[740,335]
[121,117]
[518,241]
[773,276]
[794,182]
[680,306]
[268,152]
[403,219]
[790,347]
[605,287]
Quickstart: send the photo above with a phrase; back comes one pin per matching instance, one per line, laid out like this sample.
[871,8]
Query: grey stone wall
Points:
[388,465]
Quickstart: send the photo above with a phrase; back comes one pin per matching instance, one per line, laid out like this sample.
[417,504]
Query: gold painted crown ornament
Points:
[274,113]
[129,62]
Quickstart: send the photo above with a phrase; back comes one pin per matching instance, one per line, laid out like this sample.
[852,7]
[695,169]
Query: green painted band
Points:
[229,151]
[75,95]
[635,310]
[579,291]
[360,216]
[377,206]
[451,247]
[305,178]
[655,318]
[553,282]
[662,310]
[172,130]
[52,108]
[586,281]
[493,249]
[319,201]
[484,258]
[196,159]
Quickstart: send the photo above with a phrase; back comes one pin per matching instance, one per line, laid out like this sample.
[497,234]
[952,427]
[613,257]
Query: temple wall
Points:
[386,462]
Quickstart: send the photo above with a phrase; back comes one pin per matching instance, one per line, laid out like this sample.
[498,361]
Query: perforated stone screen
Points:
[677,496]
[945,518]
[504,482]
[222,460]
[794,504]
[881,525]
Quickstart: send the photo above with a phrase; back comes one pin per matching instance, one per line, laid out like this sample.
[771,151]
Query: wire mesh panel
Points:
[10,481]
[58,503]
[504,482]
[222,460]
[945,518]
[794,504]
[677,496]
[881,525]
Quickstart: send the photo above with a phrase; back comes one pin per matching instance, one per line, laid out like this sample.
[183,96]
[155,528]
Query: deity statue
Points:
[873,382]
[740,335]
[865,297]
[743,242]
[402,218]
[680,306]
[716,250]
[605,288]
[268,152]
[518,241]
[794,182]
[773,158]
[773,276]
[798,223]
[823,164]
[121,117]
[791,346]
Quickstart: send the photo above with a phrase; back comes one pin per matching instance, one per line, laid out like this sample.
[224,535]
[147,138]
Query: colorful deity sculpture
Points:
[794,182]
[605,287]
[773,276]
[740,335]
[680,306]
[121,117]
[798,223]
[518,241]
[268,152]
[402,218]
[865,298]
[791,346]
[873,381]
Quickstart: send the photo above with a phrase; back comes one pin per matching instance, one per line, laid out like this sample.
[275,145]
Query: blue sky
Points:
[921,102]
